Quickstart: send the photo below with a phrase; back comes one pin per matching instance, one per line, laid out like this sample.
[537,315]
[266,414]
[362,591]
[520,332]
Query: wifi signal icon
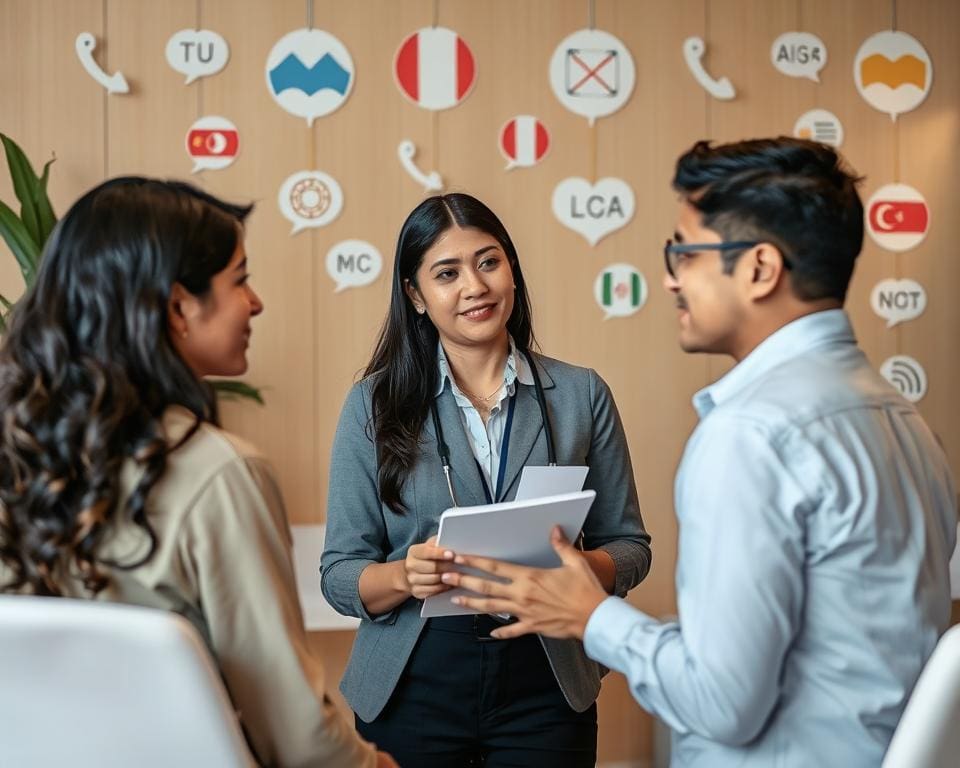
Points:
[907,375]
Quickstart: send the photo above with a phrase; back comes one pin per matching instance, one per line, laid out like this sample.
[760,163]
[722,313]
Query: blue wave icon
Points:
[326,73]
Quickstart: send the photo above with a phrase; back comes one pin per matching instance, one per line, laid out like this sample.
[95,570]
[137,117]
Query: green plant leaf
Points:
[230,389]
[47,219]
[25,250]
[26,186]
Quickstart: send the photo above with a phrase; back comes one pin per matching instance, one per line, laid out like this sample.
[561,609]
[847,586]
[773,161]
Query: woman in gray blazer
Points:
[454,353]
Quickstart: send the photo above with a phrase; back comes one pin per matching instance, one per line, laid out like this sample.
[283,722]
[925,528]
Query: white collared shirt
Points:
[817,515]
[486,439]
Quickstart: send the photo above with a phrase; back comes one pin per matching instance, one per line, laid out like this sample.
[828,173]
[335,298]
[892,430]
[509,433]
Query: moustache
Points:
[681,302]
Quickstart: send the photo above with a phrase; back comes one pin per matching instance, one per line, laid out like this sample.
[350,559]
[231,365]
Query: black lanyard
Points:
[504,447]
[443,449]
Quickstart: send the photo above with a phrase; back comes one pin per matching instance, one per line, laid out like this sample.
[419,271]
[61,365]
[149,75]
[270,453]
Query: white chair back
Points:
[87,684]
[928,735]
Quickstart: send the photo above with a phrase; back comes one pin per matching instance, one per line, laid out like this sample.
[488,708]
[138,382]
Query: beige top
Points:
[224,562]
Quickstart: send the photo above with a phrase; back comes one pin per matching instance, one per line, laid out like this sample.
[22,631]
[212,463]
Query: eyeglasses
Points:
[673,253]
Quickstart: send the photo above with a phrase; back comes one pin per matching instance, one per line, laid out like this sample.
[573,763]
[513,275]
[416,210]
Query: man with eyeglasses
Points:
[816,510]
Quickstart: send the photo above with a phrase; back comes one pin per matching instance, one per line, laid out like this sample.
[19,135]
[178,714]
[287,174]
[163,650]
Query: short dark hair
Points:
[798,195]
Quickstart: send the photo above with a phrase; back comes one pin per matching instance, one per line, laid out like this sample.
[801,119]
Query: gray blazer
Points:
[360,530]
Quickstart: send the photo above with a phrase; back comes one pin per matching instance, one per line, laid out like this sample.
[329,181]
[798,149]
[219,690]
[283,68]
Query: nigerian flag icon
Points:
[620,290]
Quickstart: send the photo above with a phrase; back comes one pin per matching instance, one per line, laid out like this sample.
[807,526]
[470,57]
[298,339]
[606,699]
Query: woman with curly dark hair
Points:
[116,482]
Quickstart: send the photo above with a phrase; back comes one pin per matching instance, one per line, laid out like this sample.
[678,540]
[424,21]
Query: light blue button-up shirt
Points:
[486,440]
[817,516]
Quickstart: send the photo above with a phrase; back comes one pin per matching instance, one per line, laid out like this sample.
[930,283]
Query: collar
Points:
[796,338]
[516,369]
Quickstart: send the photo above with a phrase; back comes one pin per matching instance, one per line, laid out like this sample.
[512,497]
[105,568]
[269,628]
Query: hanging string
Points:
[592,143]
[105,96]
[200,80]
[311,133]
[435,121]
[896,123]
[593,152]
[707,100]
[435,139]
[896,178]
[710,361]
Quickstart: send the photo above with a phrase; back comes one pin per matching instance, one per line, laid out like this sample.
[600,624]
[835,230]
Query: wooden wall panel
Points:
[274,144]
[48,104]
[311,342]
[145,130]
[928,149]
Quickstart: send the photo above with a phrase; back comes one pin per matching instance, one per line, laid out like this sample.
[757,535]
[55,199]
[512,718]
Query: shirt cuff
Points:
[609,629]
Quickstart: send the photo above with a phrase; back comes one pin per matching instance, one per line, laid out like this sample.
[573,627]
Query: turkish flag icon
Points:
[212,143]
[899,216]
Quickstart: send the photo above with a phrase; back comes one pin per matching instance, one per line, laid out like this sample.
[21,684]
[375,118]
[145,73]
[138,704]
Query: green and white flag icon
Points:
[620,290]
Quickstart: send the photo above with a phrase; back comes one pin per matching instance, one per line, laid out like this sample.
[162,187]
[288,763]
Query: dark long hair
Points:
[87,369]
[404,363]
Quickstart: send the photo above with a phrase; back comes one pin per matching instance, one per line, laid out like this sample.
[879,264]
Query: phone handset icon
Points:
[693,50]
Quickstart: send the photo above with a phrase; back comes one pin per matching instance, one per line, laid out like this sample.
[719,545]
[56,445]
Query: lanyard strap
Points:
[504,448]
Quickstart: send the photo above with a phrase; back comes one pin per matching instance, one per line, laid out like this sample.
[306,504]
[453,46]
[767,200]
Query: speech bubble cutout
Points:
[310,199]
[213,142]
[907,375]
[197,53]
[353,263]
[593,210]
[620,290]
[819,125]
[309,73]
[893,72]
[592,73]
[799,54]
[524,141]
[897,301]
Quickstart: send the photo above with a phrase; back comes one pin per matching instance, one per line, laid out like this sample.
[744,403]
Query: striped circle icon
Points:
[620,290]
[524,141]
[906,375]
[435,68]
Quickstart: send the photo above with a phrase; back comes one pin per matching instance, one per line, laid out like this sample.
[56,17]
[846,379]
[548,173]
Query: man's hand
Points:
[556,602]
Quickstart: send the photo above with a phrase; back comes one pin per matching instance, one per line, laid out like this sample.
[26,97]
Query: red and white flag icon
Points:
[213,142]
[434,68]
[207,143]
[524,141]
[897,217]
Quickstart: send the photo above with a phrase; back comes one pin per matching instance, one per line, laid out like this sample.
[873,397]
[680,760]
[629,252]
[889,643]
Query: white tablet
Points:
[515,531]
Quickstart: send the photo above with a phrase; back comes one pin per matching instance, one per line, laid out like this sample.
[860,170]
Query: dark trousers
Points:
[468,700]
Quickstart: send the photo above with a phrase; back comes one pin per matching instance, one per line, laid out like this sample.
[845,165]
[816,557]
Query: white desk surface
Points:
[317,613]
